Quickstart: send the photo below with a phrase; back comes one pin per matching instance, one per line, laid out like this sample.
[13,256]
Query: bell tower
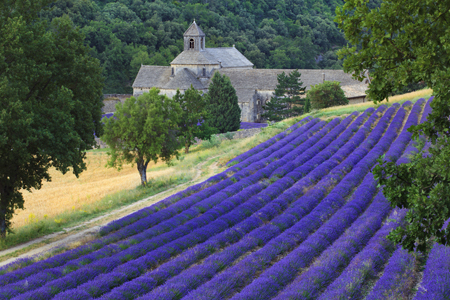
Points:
[194,38]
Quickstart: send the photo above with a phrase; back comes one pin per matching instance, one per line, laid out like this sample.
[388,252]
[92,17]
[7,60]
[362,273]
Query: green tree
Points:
[50,101]
[307,107]
[223,104]
[193,120]
[143,130]
[287,101]
[326,94]
[405,42]
[274,109]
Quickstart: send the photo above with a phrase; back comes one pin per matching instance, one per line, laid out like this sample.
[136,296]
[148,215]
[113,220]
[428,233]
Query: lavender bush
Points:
[303,200]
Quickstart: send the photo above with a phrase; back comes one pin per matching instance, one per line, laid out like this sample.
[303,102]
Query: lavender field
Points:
[297,217]
[247,125]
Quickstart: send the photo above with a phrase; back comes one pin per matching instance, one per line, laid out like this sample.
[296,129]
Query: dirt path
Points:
[77,235]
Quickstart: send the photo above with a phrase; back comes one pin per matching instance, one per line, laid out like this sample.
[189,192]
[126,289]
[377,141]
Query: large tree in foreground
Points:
[223,104]
[405,42]
[50,101]
[143,130]
[194,116]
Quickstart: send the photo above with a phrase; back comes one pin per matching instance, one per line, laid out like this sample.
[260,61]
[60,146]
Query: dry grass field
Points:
[66,192]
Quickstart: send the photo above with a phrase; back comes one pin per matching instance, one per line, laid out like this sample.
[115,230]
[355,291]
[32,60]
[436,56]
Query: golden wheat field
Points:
[67,192]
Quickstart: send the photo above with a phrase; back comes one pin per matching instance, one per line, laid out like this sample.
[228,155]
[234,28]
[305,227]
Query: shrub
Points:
[326,94]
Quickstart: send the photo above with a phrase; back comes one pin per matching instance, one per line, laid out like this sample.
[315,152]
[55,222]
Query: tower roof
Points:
[194,30]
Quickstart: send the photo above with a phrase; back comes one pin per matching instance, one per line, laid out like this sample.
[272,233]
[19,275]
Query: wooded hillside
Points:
[271,33]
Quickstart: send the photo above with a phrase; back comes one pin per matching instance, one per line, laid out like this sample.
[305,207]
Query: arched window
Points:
[173,72]
[201,43]
[191,44]
[204,72]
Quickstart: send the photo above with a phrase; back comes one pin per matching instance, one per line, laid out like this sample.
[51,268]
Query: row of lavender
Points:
[30,270]
[274,278]
[256,200]
[292,197]
[61,264]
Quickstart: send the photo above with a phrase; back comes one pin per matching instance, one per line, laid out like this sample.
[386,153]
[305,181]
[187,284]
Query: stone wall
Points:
[242,134]
[110,101]
[117,96]
[100,144]
[356,100]
[109,106]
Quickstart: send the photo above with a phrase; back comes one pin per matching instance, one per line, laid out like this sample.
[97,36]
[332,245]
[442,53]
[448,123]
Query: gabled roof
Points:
[183,81]
[160,77]
[194,30]
[229,57]
[225,57]
[150,76]
[190,57]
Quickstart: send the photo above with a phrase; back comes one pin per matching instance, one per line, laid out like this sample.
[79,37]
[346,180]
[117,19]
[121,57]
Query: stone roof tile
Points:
[191,57]
[247,81]
[226,57]
[229,57]
[266,79]
[183,81]
[149,76]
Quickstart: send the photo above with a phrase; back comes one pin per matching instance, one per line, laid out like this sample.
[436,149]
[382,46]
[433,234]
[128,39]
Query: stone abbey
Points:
[196,65]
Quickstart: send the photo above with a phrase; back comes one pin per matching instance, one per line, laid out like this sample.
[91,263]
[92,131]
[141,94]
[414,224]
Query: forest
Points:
[284,34]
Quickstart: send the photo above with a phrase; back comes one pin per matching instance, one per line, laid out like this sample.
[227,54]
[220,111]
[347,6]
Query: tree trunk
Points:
[186,147]
[142,168]
[2,223]
[2,211]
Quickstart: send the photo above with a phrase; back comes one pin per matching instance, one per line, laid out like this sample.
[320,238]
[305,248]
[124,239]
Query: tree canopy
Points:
[326,94]
[225,113]
[143,130]
[194,117]
[50,101]
[286,101]
[406,42]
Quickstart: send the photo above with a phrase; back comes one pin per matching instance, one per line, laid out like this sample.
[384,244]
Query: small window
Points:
[191,44]
[204,72]
[201,43]
[258,102]
[173,71]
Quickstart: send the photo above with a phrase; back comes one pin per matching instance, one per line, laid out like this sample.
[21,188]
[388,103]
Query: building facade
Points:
[196,65]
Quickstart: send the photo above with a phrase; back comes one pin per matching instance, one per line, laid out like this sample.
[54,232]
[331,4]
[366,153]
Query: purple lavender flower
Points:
[436,276]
